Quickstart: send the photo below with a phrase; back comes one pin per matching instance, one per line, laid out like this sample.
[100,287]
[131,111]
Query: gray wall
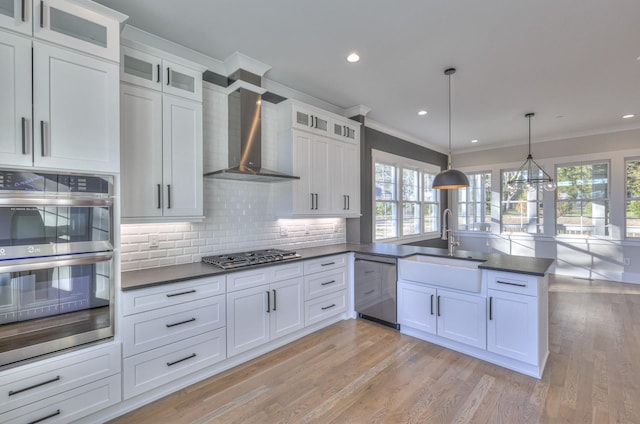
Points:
[361,230]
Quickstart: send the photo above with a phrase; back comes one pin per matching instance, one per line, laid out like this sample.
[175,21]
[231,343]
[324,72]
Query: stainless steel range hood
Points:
[245,141]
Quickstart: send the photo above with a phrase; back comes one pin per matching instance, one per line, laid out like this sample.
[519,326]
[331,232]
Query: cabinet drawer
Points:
[160,327]
[32,383]
[160,366]
[322,283]
[324,264]
[71,405]
[161,296]
[324,307]
[513,283]
[269,274]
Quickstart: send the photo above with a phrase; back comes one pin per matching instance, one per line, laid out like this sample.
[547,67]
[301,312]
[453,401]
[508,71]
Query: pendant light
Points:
[533,178]
[450,178]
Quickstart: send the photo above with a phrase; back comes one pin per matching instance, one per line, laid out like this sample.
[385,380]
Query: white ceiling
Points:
[575,63]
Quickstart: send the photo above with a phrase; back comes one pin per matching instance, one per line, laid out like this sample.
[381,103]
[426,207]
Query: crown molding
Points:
[356,110]
[241,61]
[375,125]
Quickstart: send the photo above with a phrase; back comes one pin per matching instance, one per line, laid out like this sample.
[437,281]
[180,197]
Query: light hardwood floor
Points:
[359,372]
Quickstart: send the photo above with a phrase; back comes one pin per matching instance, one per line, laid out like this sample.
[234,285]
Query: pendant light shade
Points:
[535,175]
[450,178]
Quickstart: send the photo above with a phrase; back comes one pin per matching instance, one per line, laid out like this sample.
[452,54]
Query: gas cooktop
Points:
[237,260]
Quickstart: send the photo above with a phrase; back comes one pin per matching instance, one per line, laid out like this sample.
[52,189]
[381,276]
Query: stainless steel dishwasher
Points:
[375,289]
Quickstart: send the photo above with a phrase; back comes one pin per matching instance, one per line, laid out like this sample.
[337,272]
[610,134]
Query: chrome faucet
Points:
[447,234]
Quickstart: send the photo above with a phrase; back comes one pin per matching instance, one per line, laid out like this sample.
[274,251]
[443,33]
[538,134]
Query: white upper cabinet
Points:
[69,24]
[148,70]
[161,137]
[324,151]
[75,111]
[15,101]
[59,107]
[16,15]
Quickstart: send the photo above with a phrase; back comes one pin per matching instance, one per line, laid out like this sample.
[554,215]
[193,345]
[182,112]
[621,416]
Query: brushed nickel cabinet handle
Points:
[328,263]
[328,307]
[327,282]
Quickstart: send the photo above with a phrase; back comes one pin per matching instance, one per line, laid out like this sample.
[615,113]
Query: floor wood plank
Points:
[359,372]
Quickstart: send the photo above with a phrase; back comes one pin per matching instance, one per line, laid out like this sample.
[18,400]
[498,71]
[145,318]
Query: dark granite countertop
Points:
[132,280]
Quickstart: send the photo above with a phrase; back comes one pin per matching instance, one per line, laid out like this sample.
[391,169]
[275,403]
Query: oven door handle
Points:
[54,262]
[25,200]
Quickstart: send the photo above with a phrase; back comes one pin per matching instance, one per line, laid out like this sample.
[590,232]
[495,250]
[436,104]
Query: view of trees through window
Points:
[582,199]
[633,198]
[520,211]
[474,203]
[406,205]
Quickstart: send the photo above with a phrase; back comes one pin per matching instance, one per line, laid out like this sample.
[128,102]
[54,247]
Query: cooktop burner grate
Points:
[236,260]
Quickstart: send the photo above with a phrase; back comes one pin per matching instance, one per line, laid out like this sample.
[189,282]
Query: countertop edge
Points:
[150,277]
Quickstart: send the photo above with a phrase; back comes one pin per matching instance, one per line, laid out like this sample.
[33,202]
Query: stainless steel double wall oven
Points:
[56,262]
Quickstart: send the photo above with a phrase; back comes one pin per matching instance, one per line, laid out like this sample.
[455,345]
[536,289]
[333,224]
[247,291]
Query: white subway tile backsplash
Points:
[239,215]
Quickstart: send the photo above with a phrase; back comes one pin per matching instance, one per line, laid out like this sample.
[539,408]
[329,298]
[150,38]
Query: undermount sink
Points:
[452,273]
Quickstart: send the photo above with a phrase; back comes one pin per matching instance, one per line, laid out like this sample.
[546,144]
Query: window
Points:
[582,199]
[520,211]
[474,203]
[406,205]
[632,219]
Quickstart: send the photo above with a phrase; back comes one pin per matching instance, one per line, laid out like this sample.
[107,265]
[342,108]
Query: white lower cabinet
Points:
[172,330]
[324,307]
[77,384]
[259,314]
[453,315]
[505,323]
[325,285]
[69,406]
[518,317]
[160,366]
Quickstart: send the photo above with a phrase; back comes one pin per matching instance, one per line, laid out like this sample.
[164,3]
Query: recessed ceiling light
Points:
[353,57]
[422,112]
[631,115]
[474,141]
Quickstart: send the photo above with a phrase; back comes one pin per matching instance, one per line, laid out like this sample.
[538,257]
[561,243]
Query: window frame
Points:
[400,163]
[540,209]
[607,199]
[485,201]
[627,198]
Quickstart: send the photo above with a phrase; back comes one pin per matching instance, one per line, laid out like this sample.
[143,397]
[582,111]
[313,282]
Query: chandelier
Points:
[535,175]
